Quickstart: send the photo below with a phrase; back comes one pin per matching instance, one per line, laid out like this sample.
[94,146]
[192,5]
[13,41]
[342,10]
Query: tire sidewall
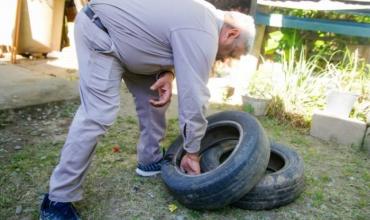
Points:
[202,191]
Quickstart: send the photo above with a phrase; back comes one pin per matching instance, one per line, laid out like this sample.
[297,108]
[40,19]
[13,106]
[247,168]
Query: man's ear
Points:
[233,33]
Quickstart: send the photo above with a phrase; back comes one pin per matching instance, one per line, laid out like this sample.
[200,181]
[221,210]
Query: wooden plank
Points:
[58,18]
[323,5]
[80,4]
[339,27]
[16,34]
[355,12]
[8,14]
[260,33]
[357,1]
[253,8]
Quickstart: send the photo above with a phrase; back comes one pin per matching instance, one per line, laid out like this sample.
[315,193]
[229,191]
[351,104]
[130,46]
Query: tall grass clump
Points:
[353,75]
[299,85]
[299,89]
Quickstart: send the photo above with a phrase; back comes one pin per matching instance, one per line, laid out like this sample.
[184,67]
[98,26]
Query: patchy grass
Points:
[337,176]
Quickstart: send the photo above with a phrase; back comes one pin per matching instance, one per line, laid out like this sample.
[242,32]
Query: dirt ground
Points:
[337,177]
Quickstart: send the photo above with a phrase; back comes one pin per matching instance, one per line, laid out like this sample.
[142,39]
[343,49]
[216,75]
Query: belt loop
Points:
[94,18]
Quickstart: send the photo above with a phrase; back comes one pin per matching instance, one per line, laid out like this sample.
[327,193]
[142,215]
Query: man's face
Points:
[230,45]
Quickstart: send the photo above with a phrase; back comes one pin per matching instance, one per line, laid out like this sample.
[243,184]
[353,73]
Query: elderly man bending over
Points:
[147,44]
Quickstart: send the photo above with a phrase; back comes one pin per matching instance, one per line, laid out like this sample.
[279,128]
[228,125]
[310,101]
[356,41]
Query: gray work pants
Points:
[101,74]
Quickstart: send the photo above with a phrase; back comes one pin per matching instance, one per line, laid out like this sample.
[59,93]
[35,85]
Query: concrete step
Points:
[336,129]
[366,145]
[21,87]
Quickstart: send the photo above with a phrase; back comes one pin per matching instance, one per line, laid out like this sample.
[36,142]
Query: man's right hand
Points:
[164,87]
[190,164]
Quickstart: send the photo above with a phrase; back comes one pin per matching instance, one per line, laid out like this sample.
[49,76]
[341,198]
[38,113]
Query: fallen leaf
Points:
[172,207]
[116,149]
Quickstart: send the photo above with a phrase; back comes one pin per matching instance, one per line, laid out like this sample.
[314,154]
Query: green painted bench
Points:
[358,7]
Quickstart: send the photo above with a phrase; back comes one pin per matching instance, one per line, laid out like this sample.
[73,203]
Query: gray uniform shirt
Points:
[156,35]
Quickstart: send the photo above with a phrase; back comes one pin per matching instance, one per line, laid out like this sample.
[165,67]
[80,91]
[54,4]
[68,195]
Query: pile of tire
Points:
[239,166]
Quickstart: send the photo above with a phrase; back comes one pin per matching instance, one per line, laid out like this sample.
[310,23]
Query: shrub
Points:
[299,85]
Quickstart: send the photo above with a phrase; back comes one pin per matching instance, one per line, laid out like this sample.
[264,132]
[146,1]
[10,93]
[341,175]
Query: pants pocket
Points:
[104,72]
[97,39]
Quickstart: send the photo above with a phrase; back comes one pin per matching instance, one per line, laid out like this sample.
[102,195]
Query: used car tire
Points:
[235,177]
[281,185]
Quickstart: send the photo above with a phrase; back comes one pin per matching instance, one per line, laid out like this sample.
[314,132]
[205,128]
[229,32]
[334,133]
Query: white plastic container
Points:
[259,105]
[340,103]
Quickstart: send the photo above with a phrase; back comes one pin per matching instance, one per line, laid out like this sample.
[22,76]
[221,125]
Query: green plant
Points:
[301,84]
[261,84]
[228,91]
[279,41]
[331,15]
[352,74]
[248,108]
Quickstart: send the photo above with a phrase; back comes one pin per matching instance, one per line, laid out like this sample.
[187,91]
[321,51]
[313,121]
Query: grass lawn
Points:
[337,177]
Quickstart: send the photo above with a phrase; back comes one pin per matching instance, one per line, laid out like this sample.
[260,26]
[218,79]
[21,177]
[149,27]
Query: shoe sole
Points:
[146,173]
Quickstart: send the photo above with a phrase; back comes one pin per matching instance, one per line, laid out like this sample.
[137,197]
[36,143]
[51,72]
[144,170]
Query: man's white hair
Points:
[245,23]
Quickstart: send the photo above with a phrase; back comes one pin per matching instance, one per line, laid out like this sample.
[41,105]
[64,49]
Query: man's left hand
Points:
[190,164]
[164,87]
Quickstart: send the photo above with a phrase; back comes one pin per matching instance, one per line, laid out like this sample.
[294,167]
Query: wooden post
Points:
[260,33]
[253,8]
[80,4]
[16,32]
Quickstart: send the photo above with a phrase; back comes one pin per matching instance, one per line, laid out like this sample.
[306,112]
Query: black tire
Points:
[235,177]
[281,185]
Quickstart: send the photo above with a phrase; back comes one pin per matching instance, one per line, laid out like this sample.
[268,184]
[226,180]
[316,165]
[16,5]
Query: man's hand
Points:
[164,87]
[190,164]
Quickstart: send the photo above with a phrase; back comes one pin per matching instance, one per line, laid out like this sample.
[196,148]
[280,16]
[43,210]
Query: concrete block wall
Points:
[366,144]
[340,130]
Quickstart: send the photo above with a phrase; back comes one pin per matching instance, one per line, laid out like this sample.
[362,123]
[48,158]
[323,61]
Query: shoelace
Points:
[152,167]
